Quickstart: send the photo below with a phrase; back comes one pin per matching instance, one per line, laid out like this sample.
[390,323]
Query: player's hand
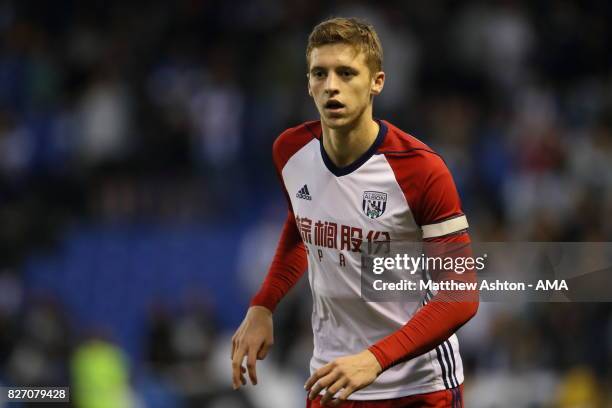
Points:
[349,374]
[252,340]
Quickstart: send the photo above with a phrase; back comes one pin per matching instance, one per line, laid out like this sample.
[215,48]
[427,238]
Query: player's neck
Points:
[344,146]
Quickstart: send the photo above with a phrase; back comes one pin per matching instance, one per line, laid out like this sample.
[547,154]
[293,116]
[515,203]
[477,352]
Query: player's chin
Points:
[337,121]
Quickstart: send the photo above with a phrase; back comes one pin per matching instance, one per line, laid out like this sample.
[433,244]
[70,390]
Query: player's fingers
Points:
[342,396]
[333,389]
[316,375]
[242,372]
[233,348]
[323,383]
[251,365]
[236,364]
[263,351]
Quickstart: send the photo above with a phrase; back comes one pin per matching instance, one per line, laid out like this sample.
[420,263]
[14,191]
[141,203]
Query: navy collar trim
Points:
[343,171]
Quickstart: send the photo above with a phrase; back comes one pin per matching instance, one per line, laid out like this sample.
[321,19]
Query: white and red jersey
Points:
[397,190]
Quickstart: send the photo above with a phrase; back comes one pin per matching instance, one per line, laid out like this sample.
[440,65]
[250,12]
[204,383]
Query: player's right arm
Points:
[255,335]
[253,338]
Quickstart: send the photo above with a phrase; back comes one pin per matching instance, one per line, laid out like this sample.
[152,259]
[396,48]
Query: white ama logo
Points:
[304,193]
[374,203]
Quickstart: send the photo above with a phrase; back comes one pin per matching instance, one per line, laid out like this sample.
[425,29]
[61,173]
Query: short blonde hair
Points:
[353,31]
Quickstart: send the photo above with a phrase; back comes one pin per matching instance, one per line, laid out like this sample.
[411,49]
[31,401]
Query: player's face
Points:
[341,84]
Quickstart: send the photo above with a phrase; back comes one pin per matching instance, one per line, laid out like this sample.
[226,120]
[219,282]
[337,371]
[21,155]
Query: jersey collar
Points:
[343,171]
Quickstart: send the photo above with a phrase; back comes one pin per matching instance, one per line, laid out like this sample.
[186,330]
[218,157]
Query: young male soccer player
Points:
[350,179]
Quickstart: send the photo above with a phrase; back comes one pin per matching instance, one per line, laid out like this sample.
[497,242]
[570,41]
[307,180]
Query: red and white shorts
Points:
[452,398]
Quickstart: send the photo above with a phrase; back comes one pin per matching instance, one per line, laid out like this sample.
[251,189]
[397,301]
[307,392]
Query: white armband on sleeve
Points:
[445,227]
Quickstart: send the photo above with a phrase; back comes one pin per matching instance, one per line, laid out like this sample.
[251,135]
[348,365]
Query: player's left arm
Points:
[437,210]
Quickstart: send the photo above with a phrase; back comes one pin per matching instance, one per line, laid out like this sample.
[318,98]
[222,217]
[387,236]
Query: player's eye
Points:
[346,73]
[318,73]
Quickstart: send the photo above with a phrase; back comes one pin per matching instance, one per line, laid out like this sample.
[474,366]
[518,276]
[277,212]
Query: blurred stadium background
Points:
[139,207]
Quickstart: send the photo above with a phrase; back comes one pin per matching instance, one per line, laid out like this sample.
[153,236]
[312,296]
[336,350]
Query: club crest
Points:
[374,203]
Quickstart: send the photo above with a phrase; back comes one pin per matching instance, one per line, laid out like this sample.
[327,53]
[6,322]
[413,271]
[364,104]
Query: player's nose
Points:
[331,83]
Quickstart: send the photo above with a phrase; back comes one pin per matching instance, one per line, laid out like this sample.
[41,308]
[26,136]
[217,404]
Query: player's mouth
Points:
[334,106]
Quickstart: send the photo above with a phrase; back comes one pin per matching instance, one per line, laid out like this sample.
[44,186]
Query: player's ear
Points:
[378,82]
[308,84]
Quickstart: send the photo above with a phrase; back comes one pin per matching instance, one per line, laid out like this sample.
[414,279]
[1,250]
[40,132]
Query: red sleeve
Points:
[434,201]
[287,267]
[434,322]
[290,260]
[428,187]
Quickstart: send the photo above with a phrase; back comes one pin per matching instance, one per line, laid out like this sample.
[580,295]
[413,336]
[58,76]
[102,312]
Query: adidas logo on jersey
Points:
[304,193]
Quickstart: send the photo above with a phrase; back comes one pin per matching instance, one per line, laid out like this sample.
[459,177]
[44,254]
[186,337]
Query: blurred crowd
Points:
[165,112]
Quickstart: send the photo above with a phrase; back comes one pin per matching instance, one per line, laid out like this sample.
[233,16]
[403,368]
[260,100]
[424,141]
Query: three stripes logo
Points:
[304,193]
[445,356]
